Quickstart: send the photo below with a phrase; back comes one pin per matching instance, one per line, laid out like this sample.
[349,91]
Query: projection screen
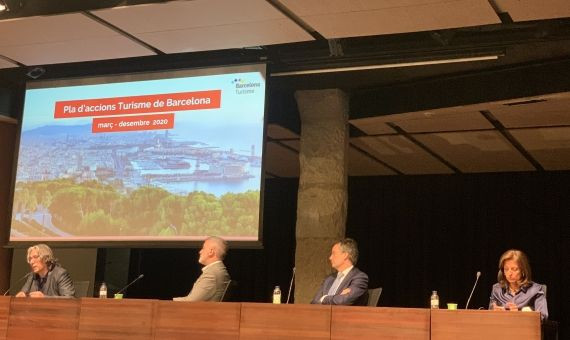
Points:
[147,157]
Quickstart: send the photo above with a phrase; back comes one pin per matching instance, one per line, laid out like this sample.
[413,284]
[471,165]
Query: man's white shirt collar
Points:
[211,264]
[346,271]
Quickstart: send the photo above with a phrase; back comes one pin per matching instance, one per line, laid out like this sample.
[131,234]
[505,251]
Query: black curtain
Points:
[171,272]
[422,233]
[416,234]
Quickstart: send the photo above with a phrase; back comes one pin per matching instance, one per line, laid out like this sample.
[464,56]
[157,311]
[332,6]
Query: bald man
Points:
[210,286]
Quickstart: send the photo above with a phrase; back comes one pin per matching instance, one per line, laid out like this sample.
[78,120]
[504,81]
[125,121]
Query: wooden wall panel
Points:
[88,318]
[116,319]
[484,324]
[197,320]
[265,321]
[380,323]
[49,318]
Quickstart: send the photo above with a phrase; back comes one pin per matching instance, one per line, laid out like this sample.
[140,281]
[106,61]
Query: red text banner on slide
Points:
[133,123]
[181,101]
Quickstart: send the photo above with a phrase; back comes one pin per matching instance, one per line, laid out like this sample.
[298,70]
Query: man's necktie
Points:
[335,284]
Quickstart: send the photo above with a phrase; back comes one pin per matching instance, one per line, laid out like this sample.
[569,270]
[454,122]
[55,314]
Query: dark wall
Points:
[424,233]
[416,234]
[8,134]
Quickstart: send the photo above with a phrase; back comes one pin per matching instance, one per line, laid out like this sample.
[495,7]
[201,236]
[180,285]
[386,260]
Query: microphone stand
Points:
[127,286]
[472,290]
[19,280]
[290,286]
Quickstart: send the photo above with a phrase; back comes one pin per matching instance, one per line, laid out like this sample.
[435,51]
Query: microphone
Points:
[472,290]
[133,281]
[19,280]
[290,286]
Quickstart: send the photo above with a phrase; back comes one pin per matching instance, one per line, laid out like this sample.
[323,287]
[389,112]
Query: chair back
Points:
[374,296]
[81,288]
[228,291]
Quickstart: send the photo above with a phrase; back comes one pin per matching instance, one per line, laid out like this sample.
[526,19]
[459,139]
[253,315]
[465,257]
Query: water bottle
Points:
[103,291]
[277,295]
[434,300]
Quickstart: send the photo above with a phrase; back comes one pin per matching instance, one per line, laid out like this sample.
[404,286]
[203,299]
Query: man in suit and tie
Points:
[349,285]
[210,286]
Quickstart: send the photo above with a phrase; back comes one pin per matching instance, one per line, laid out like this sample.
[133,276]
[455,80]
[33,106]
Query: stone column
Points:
[322,197]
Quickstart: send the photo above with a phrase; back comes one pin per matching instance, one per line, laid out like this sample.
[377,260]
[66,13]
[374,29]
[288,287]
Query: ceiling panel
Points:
[349,18]
[439,121]
[534,9]
[293,144]
[280,161]
[278,132]
[360,164]
[6,64]
[548,110]
[201,25]
[400,153]
[7,120]
[549,146]
[63,38]
[477,151]
[373,126]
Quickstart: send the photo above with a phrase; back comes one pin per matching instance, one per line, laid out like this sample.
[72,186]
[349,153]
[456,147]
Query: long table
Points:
[88,318]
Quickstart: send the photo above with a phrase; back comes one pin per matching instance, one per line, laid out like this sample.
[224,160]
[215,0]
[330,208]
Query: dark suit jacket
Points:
[356,280]
[58,283]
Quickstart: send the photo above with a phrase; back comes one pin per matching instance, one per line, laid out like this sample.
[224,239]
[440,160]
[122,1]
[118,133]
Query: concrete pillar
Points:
[322,197]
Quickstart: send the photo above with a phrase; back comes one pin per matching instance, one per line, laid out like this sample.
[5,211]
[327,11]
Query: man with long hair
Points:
[47,278]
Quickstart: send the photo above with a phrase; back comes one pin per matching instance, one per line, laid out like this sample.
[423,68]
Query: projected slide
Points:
[142,157]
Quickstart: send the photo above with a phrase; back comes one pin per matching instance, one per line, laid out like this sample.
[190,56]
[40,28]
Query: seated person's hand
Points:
[511,306]
[21,294]
[37,294]
[345,291]
[497,307]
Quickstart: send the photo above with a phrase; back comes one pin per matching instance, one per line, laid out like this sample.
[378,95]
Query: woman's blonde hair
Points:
[522,260]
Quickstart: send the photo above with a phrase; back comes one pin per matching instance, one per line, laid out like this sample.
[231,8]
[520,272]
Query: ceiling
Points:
[516,132]
[525,134]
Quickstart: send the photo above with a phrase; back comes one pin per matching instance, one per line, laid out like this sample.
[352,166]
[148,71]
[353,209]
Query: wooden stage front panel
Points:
[484,324]
[33,318]
[116,319]
[380,323]
[197,320]
[268,321]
